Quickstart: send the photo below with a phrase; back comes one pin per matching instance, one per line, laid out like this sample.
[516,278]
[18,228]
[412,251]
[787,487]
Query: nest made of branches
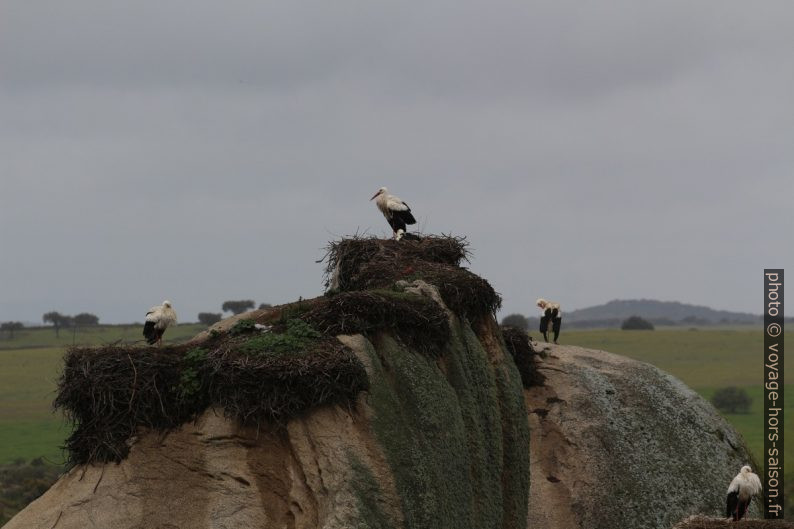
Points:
[524,356]
[345,257]
[278,387]
[109,392]
[360,263]
[418,320]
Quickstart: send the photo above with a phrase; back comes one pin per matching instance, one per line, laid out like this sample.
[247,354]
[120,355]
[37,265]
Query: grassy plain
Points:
[29,368]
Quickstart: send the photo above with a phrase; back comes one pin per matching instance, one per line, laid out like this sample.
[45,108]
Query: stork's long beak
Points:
[375,195]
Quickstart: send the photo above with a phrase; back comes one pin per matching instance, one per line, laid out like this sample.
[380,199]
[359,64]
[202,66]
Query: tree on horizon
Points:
[239,306]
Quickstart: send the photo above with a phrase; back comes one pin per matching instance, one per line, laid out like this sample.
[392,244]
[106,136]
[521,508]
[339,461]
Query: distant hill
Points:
[658,312]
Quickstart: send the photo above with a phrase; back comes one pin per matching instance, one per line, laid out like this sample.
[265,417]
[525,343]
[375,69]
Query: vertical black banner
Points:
[773,393]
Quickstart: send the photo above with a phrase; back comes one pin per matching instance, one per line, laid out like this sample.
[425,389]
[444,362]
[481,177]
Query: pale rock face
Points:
[213,474]
[617,443]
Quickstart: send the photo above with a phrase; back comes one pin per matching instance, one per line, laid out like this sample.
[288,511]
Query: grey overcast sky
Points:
[202,151]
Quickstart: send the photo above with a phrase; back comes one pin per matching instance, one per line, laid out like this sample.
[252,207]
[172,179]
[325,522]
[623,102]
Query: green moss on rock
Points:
[444,434]
[368,497]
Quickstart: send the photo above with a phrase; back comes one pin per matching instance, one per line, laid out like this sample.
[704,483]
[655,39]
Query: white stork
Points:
[157,320]
[551,314]
[397,212]
[740,492]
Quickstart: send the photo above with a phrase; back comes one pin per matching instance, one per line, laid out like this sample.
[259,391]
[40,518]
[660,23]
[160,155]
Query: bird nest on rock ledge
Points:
[419,321]
[364,263]
[278,363]
[109,392]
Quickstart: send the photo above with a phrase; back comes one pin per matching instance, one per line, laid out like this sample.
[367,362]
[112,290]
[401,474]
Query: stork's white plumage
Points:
[740,492]
[396,211]
[157,321]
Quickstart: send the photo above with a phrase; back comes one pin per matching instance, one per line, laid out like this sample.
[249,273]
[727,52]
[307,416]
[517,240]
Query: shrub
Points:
[242,327]
[517,321]
[209,318]
[238,306]
[635,323]
[86,319]
[732,400]
[21,483]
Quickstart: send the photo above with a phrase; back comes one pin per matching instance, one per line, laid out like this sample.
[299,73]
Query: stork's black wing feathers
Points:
[400,219]
[406,216]
[149,332]
[731,504]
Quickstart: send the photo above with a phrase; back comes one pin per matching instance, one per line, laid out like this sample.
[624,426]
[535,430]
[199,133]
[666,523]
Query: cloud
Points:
[203,151]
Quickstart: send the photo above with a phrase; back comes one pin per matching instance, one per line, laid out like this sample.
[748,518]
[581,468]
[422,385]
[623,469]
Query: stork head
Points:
[380,192]
[746,469]
[541,302]
[167,303]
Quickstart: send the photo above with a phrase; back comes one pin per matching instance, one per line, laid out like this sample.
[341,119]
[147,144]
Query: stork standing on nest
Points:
[397,212]
[157,321]
[740,492]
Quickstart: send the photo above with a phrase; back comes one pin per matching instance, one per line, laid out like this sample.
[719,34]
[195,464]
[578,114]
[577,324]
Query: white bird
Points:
[397,212]
[740,492]
[551,314]
[157,321]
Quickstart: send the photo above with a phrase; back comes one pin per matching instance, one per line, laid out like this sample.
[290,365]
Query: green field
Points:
[29,368]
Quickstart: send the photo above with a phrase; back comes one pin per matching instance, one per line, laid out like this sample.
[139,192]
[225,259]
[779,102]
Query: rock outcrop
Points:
[392,402]
[433,444]
[617,443]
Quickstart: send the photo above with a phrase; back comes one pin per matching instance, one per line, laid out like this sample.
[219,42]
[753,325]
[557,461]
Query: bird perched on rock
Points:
[551,314]
[157,321]
[740,492]
[397,212]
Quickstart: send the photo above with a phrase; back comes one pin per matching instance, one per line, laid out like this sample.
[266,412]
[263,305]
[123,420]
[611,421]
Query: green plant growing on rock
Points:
[243,327]
[296,337]
[190,379]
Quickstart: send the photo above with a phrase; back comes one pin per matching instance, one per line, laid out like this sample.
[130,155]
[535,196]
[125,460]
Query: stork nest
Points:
[296,364]
[419,321]
[109,392]
[364,263]
[524,356]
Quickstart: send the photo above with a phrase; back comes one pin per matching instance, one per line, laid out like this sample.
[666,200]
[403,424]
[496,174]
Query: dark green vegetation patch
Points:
[109,392]
[456,440]
[22,482]
[525,358]
[365,263]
